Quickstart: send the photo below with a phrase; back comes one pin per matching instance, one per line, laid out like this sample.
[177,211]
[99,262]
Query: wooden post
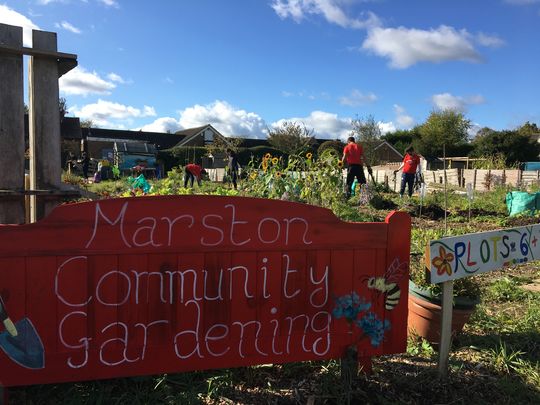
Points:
[45,161]
[474,180]
[446,327]
[11,125]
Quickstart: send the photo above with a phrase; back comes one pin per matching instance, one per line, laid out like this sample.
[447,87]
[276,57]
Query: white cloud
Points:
[117,78]
[45,2]
[11,17]
[81,82]
[403,120]
[357,98]
[386,127]
[331,10]
[225,118]
[110,3]
[522,2]
[163,124]
[102,112]
[491,41]
[447,101]
[68,27]
[405,47]
[324,124]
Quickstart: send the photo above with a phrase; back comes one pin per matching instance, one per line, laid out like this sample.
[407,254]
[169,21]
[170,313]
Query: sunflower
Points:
[275,161]
[309,155]
[278,174]
[268,156]
[340,163]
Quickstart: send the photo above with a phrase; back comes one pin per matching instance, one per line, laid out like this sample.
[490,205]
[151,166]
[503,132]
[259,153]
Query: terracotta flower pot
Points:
[425,316]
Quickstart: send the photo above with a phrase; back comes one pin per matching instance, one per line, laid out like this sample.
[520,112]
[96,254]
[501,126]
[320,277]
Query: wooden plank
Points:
[44,120]
[446,328]
[11,126]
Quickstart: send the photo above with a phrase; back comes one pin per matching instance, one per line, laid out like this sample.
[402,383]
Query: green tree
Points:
[368,133]
[336,145]
[529,129]
[448,128]
[291,138]
[402,138]
[87,124]
[514,146]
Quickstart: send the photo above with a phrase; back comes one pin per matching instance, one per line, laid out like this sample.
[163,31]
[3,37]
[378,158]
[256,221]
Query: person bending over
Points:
[192,172]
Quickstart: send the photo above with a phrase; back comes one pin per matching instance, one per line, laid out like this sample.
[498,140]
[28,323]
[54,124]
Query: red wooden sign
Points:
[151,285]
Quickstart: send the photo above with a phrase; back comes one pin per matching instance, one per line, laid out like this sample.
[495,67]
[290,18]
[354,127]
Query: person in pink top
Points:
[353,154]
[410,164]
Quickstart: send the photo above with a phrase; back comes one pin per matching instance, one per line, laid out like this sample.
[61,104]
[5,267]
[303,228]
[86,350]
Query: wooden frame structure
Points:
[46,65]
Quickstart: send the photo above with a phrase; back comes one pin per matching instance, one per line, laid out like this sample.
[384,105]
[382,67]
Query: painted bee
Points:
[388,285]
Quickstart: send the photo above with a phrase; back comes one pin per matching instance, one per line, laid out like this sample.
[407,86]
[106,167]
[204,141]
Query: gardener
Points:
[410,164]
[192,172]
[353,154]
[233,166]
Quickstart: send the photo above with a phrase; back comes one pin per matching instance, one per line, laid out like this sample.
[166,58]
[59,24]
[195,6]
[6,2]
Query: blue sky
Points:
[246,65]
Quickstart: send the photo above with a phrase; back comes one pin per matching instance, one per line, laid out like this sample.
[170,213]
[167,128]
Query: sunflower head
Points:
[309,155]
[268,156]
[340,163]
[275,161]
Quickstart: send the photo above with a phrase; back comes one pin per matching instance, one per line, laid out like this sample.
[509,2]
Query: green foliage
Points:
[291,138]
[529,129]
[182,155]
[304,179]
[368,133]
[447,128]
[512,146]
[336,145]
[507,289]
[402,138]
[256,153]
[417,346]
[221,144]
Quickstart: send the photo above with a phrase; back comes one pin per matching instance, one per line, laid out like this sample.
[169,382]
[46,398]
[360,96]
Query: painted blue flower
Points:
[349,306]
[373,327]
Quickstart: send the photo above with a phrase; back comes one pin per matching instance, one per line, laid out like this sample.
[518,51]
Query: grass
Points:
[496,360]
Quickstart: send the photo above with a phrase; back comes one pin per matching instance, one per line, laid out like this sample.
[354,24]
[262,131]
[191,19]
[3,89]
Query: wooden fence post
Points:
[45,161]
[11,126]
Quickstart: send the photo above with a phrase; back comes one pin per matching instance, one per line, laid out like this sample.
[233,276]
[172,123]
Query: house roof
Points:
[70,128]
[160,139]
[192,133]
[389,145]
[189,132]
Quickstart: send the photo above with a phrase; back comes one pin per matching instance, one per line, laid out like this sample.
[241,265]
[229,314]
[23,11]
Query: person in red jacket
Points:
[353,154]
[192,172]
[410,164]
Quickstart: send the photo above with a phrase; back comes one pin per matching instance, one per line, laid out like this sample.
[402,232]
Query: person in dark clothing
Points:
[233,166]
[192,171]
[353,154]
[85,163]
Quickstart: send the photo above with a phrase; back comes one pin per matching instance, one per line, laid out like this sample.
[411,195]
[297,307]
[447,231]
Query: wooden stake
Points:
[446,327]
